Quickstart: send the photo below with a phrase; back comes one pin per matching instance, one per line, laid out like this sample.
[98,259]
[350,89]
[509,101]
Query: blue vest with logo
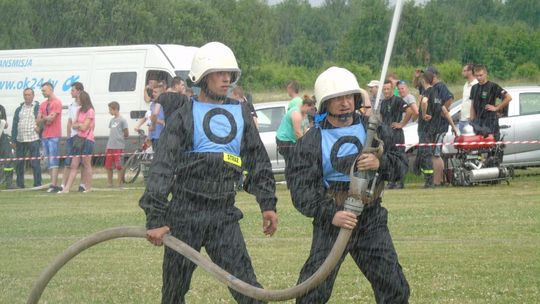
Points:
[338,143]
[217,127]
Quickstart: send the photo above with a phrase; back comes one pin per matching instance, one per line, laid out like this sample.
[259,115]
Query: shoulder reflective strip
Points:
[232,159]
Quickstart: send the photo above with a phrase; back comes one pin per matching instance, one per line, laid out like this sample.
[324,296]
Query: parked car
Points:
[523,123]
[269,117]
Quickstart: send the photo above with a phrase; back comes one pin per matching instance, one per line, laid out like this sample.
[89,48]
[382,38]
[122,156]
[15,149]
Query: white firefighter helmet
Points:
[335,82]
[213,57]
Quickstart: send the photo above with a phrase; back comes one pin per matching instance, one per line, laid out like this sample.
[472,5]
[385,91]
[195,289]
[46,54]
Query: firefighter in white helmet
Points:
[319,184]
[203,149]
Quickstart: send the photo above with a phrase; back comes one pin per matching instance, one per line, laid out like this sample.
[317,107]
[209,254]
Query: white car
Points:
[269,115]
[521,124]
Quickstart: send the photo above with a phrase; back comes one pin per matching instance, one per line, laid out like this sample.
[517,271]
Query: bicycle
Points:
[139,160]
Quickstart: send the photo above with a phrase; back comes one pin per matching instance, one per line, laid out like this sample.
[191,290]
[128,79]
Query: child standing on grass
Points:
[117,142]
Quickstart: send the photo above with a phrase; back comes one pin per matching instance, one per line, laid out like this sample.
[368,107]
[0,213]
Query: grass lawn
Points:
[456,245]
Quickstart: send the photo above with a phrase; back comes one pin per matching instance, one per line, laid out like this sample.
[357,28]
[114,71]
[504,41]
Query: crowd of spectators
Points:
[38,124]
[427,104]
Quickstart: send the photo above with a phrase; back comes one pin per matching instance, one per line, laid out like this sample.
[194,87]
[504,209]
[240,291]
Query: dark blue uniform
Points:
[203,149]
[318,175]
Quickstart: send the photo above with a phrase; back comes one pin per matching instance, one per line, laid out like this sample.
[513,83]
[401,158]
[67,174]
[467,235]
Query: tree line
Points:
[292,39]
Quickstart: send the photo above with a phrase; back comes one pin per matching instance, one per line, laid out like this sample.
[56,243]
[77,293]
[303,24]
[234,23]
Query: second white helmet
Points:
[335,82]
[213,57]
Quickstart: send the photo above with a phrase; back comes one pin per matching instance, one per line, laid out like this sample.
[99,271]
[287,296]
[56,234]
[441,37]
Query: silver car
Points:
[269,115]
[522,124]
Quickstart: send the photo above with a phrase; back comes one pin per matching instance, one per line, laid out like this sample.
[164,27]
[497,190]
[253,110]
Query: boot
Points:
[428,178]
[8,175]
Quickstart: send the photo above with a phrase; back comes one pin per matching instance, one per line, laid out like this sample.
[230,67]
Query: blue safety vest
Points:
[217,127]
[336,144]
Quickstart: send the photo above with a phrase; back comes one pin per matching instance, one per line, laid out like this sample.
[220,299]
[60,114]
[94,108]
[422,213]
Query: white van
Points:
[109,73]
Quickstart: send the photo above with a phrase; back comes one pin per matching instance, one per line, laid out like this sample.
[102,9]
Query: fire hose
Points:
[359,194]
[197,258]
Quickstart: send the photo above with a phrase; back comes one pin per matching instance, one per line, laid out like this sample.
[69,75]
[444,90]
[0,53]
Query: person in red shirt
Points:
[49,122]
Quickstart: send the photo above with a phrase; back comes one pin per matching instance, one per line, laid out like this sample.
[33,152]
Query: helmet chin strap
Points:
[342,117]
[209,94]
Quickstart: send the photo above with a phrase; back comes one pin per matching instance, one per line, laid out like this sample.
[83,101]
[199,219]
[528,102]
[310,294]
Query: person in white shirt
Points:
[466,105]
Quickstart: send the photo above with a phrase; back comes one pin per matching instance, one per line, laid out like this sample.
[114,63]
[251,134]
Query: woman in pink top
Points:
[84,125]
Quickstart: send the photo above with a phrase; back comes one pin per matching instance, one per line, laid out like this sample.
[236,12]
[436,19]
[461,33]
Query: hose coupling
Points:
[353,205]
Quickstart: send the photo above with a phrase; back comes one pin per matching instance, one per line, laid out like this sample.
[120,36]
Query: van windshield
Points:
[185,75]
[182,74]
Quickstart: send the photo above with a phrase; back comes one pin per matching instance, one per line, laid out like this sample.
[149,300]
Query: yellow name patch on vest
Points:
[232,159]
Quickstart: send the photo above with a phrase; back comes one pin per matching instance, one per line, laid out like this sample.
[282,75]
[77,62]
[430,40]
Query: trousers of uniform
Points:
[399,138]
[216,227]
[286,149]
[425,153]
[372,250]
[24,149]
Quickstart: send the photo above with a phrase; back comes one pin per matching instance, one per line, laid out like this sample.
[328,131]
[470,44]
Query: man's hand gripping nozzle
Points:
[360,193]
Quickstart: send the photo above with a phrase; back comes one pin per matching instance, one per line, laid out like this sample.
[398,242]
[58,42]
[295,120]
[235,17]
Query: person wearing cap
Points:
[319,184]
[204,146]
[373,86]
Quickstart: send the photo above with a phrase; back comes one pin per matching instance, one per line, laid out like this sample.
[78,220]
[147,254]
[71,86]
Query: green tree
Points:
[365,41]
[16,21]
[527,11]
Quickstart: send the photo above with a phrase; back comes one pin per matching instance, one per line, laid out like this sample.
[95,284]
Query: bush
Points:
[403,72]
[275,75]
[450,71]
[528,70]
[362,72]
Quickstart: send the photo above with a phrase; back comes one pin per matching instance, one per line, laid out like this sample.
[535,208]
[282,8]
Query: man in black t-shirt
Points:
[484,110]
[170,100]
[428,127]
[393,120]
[442,94]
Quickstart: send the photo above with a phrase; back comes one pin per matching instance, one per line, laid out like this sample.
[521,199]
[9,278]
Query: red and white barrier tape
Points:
[70,156]
[472,143]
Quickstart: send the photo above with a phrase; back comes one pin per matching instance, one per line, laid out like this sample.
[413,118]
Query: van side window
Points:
[122,81]
[529,103]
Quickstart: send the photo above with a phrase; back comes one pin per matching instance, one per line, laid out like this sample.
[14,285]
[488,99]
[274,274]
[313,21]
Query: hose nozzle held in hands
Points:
[360,180]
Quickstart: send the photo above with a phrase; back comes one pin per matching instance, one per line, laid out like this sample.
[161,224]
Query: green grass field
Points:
[456,245]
